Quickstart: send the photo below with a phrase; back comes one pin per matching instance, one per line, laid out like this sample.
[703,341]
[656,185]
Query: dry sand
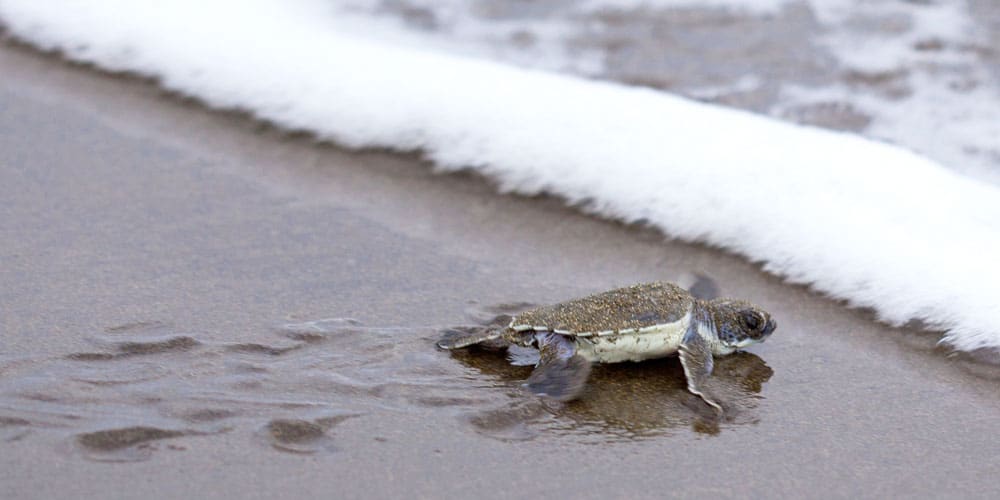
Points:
[164,268]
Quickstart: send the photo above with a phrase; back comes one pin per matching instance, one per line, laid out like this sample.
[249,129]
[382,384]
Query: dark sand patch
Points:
[13,421]
[267,350]
[114,439]
[136,326]
[126,444]
[158,346]
[303,436]
[209,415]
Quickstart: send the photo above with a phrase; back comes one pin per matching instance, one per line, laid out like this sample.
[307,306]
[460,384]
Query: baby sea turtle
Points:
[635,323]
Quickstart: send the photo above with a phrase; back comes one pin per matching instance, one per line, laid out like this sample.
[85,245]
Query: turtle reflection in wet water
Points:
[622,401]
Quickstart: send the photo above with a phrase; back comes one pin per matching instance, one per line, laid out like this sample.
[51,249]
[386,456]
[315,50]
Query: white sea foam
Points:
[748,6]
[871,223]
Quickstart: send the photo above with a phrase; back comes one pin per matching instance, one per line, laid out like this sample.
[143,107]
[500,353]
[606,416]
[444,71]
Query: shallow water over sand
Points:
[145,382]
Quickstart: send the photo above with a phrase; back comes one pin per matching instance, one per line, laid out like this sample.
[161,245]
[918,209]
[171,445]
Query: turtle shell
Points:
[623,310]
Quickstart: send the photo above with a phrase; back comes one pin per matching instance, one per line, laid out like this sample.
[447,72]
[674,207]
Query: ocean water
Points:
[846,144]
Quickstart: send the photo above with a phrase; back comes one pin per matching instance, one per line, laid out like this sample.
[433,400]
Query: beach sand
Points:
[176,288]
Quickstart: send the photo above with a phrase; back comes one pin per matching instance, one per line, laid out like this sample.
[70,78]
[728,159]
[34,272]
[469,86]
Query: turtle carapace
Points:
[635,323]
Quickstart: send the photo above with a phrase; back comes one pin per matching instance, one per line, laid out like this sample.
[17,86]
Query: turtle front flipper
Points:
[561,372]
[459,337]
[696,357]
[700,286]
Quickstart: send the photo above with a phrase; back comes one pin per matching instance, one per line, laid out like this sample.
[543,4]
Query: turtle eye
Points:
[752,320]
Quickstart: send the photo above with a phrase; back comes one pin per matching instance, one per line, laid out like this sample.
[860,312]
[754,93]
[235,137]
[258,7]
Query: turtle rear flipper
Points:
[561,373]
[696,358]
[457,338]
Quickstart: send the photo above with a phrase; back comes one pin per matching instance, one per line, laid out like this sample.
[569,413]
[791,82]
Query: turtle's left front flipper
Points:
[561,373]
[701,286]
[696,357]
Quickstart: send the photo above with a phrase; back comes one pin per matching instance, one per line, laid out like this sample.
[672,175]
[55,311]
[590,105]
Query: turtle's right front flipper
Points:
[561,373]
[459,337]
[696,358]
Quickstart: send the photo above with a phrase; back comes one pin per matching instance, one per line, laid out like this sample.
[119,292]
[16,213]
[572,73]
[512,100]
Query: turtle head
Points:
[739,323]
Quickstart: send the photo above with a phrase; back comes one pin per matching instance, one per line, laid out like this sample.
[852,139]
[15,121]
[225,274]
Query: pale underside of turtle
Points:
[636,323]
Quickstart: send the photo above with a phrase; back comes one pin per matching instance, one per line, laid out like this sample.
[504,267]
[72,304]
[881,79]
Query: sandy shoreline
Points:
[129,215]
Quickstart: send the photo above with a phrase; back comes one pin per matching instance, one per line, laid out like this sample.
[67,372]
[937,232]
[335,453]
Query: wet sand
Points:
[197,305]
